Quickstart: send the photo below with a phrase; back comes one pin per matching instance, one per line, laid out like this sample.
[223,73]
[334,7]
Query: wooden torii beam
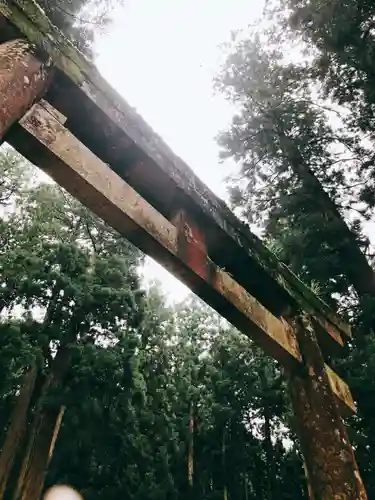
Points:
[96,146]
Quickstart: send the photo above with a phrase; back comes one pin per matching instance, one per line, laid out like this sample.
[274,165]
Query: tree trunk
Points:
[191,451]
[246,488]
[42,435]
[268,447]
[56,433]
[29,394]
[225,493]
[310,494]
[16,428]
[224,465]
[354,263]
[39,453]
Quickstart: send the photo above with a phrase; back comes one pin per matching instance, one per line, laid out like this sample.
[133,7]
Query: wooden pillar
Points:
[23,78]
[331,468]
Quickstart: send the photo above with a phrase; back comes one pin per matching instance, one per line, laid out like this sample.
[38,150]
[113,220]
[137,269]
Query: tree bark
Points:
[29,394]
[16,429]
[42,435]
[56,433]
[310,494]
[39,453]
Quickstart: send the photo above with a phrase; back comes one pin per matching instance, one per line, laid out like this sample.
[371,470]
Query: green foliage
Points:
[183,359]
[298,175]
[137,370]
[344,35]
[306,174]
[14,173]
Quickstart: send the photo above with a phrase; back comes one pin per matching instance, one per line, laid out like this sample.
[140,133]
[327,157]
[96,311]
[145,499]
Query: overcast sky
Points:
[161,56]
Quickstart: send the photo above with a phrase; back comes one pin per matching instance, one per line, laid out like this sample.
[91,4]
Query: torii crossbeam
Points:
[58,111]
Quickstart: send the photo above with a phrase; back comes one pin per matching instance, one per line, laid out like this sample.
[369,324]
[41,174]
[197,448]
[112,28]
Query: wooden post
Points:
[23,78]
[330,465]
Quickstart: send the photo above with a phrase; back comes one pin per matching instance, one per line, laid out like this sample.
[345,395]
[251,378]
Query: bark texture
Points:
[17,428]
[42,435]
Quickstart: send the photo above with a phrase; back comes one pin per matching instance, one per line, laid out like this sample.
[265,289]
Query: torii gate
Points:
[58,111]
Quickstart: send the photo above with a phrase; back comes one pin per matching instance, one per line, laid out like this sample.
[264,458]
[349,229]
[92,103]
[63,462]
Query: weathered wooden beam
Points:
[111,127]
[331,466]
[90,180]
[23,78]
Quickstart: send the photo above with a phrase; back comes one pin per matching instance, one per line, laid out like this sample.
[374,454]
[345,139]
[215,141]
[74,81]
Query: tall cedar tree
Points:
[300,178]
[298,174]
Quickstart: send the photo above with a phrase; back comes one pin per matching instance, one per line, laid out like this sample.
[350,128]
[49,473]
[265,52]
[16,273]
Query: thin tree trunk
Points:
[191,451]
[309,490]
[246,489]
[16,428]
[56,433]
[223,465]
[42,435]
[268,447]
[225,493]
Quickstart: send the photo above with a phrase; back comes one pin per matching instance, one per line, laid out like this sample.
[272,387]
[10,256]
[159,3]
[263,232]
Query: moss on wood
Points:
[31,20]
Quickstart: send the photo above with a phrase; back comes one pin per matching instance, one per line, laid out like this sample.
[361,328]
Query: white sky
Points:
[161,56]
